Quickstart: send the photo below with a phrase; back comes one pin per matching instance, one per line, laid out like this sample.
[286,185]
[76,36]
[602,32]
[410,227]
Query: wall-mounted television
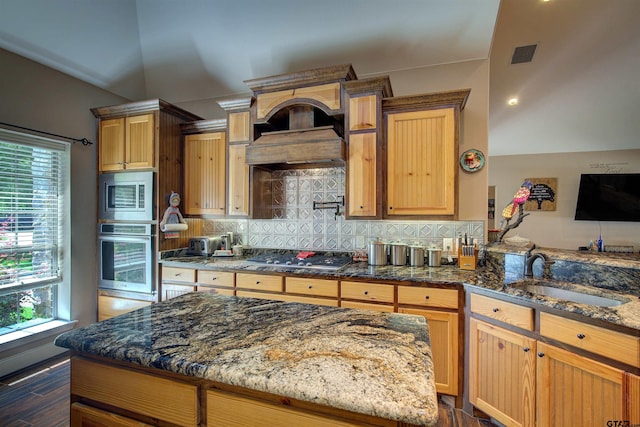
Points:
[609,197]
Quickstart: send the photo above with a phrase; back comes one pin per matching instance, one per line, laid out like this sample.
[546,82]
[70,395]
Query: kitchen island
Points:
[242,361]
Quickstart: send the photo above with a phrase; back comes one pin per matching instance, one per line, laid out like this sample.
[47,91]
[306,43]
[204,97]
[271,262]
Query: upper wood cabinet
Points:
[205,171]
[422,137]
[127,143]
[363,112]
[421,163]
[361,180]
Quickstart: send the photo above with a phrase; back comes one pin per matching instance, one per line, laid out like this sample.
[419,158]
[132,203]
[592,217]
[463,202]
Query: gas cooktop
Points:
[301,260]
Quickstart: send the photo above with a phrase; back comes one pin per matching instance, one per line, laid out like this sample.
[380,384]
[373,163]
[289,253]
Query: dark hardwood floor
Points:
[39,397]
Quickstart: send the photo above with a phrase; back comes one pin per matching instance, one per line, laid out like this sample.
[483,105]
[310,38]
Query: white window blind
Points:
[32,206]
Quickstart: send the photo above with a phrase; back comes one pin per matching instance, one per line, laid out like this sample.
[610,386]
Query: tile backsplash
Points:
[296,225]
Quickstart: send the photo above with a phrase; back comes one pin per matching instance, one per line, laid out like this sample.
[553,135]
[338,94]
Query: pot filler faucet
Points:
[530,259]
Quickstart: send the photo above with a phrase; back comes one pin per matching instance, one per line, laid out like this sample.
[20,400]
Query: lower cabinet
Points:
[520,380]
[110,306]
[88,416]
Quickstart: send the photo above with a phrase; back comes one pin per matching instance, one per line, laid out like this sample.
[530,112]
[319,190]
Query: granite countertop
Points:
[362,361]
[626,315]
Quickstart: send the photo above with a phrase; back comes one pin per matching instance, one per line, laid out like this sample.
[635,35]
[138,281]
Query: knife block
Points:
[467,262]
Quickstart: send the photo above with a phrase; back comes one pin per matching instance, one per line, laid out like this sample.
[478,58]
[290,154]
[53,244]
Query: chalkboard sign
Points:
[543,194]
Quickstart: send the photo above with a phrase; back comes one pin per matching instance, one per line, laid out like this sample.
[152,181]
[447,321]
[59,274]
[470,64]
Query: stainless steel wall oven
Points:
[125,254]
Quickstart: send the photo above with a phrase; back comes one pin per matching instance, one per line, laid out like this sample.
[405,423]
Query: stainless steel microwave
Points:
[126,196]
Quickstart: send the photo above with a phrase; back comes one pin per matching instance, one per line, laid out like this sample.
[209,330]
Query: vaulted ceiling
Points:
[581,87]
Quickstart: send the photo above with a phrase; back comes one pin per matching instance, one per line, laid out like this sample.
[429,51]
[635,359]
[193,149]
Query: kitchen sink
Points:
[570,292]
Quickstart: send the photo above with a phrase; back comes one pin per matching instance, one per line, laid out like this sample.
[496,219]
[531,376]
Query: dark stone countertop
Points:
[489,278]
[362,361]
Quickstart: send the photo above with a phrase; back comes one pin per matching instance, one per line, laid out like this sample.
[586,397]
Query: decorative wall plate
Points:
[472,160]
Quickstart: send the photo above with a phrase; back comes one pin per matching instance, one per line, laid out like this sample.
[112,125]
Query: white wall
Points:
[557,228]
[38,97]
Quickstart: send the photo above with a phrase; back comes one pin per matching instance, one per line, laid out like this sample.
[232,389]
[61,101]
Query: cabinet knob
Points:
[581,336]
[496,309]
[540,354]
[526,349]
[310,286]
[236,208]
[426,297]
[178,274]
[214,278]
[361,207]
[366,292]
[390,207]
[257,282]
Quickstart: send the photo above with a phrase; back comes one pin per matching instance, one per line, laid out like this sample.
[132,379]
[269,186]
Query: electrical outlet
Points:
[447,245]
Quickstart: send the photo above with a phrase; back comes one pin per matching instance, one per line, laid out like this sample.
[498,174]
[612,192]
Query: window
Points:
[34,206]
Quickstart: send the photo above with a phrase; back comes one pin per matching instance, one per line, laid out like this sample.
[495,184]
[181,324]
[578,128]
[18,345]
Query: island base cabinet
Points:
[576,391]
[87,416]
[232,410]
[502,374]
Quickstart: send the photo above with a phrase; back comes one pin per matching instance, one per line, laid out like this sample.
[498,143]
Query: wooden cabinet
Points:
[367,292]
[205,174]
[177,281]
[87,416]
[575,390]
[421,163]
[422,137]
[632,385]
[518,379]
[502,373]
[312,287]
[127,143]
[441,309]
[362,175]
[238,184]
[364,135]
[219,282]
[259,282]
[144,396]
[110,306]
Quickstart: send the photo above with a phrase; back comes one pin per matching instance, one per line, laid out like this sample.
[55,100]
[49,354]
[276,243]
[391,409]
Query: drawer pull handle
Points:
[496,309]
[526,349]
[366,292]
[214,278]
[426,297]
[310,286]
[581,336]
[178,274]
[257,282]
[540,354]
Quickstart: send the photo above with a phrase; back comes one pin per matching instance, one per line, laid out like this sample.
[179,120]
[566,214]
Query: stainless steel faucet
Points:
[530,259]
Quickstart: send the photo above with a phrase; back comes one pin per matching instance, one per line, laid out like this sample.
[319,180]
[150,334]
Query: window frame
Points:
[61,297]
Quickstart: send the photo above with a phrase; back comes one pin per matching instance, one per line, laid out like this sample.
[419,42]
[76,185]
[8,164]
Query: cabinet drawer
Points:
[217,278]
[171,401]
[367,306]
[177,274]
[318,287]
[506,312]
[109,307]
[367,291]
[259,282]
[612,344]
[428,297]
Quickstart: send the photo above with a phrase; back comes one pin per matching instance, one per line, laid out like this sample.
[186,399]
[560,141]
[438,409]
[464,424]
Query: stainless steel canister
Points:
[398,253]
[416,256]
[377,253]
[435,257]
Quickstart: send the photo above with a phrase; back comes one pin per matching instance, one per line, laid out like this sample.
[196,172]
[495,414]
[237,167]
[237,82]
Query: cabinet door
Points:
[111,140]
[238,181]
[205,172]
[633,399]
[502,374]
[109,307]
[139,142]
[443,332]
[575,391]
[86,416]
[171,290]
[421,163]
[361,171]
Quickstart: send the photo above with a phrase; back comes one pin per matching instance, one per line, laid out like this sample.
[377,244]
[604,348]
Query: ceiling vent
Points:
[523,54]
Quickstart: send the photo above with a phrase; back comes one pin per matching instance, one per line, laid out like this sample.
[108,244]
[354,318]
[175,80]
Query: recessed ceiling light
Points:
[512,101]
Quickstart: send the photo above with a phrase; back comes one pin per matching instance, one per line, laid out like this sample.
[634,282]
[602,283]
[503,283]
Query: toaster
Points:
[203,245]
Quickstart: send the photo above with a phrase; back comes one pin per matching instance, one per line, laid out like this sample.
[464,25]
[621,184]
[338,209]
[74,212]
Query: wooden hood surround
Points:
[298,119]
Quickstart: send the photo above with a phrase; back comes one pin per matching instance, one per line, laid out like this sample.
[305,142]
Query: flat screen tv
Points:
[609,197]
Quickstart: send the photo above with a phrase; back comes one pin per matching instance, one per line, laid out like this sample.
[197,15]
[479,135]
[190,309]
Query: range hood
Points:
[303,145]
